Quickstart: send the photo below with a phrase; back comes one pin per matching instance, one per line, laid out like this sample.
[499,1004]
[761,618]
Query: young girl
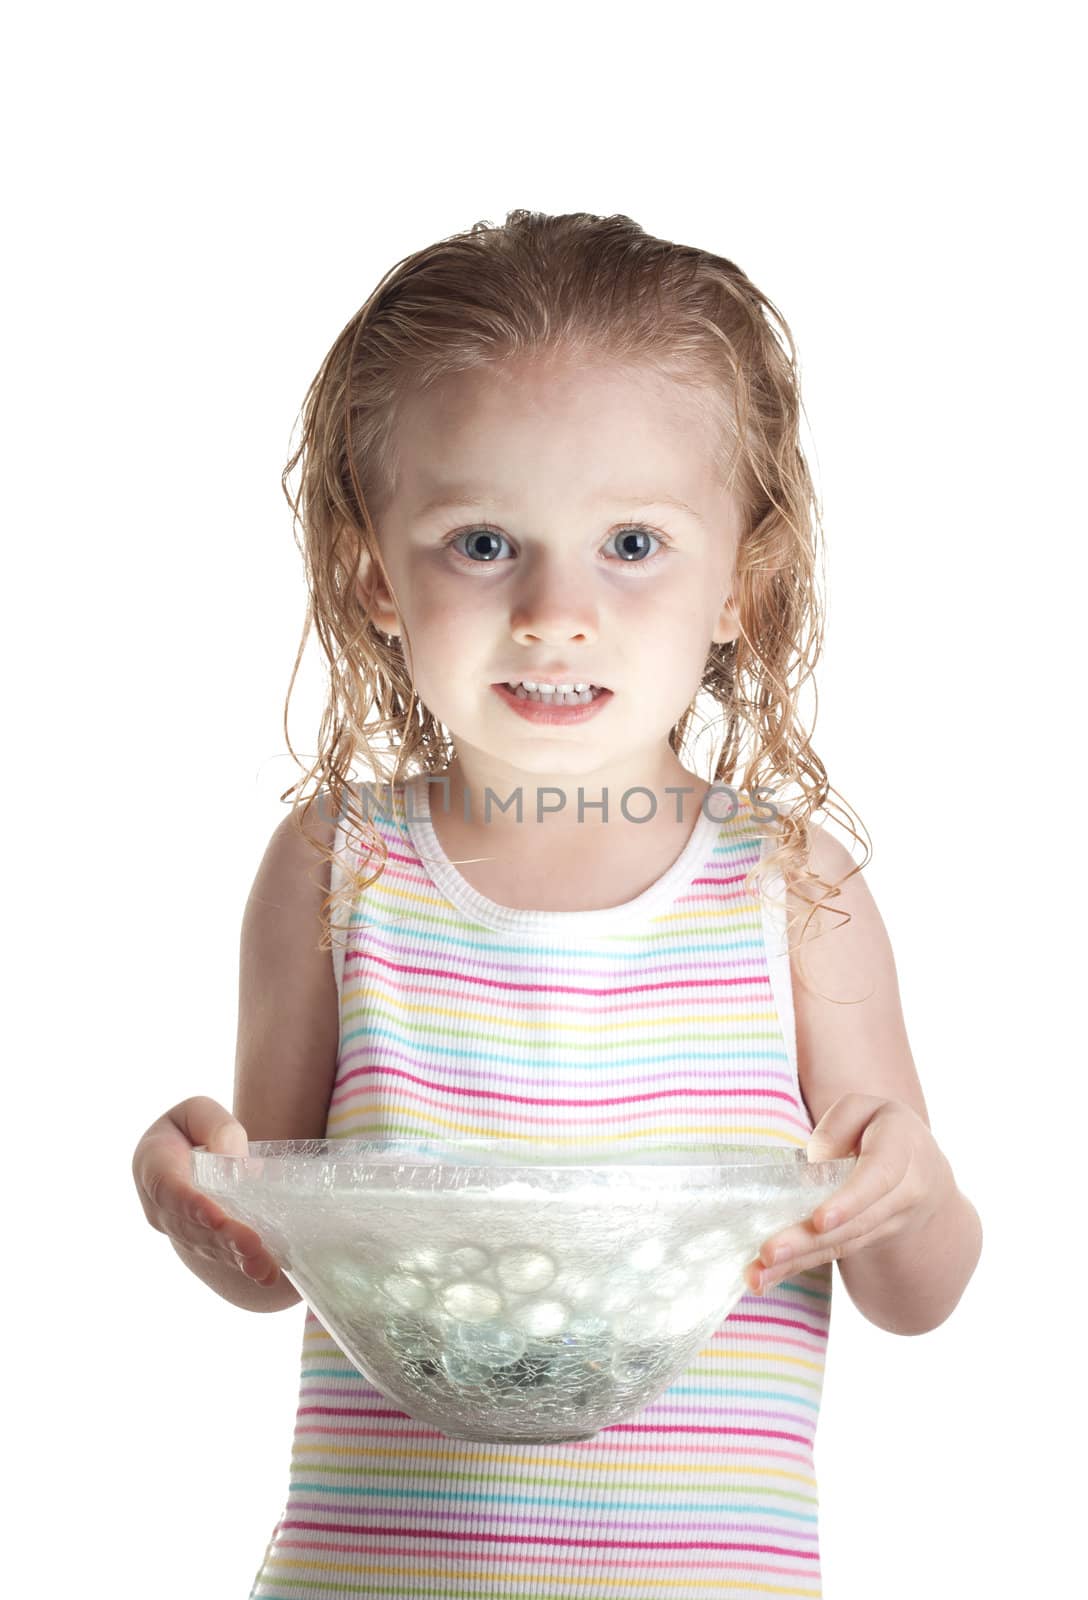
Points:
[551,489]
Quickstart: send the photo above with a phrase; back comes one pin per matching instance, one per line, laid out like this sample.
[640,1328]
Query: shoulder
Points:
[288,1008]
[828,857]
[305,836]
[851,1034]
[315,822]
[293,875]
[829,884]
[836,928]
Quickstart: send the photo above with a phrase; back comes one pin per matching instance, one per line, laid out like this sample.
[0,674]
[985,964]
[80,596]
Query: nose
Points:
[552,606]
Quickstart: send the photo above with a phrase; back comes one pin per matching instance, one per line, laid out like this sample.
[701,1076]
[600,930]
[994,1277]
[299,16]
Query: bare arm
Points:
[285,1066]
[288,1017]
[857,1072]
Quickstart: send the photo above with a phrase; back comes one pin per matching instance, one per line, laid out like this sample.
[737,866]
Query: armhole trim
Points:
[776,946]
[337,879]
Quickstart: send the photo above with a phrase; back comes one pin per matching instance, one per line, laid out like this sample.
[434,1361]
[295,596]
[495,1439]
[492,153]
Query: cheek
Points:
[432,591]
[441,633]
[676,618]
[674,632]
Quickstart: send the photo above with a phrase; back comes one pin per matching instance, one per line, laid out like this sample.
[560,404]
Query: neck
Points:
[553,806]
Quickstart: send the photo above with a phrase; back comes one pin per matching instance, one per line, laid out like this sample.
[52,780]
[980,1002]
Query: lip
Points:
[538,711]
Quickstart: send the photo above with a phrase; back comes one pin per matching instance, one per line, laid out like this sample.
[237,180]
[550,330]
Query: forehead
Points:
[597,426]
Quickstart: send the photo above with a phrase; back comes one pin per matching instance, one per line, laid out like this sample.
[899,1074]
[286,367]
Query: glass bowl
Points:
[511,1293]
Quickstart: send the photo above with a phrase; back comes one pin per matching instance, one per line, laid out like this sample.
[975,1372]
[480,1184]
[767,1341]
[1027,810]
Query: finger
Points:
[162,1165]
[760,1280]
[254,1258]
[881,1165]
[250,1255]
[859,1206]
[801,1248]
[205,1122]
[244,1246]
[161,1170]
[226,1239]
[258,1265]
[840,1128]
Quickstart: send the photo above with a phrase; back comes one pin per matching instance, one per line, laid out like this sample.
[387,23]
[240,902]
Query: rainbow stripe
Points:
[668,1018]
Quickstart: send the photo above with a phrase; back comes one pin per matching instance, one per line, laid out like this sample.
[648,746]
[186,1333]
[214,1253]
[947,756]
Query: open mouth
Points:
[561,694]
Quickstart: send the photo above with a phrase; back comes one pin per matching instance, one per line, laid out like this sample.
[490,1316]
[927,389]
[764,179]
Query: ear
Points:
[727,626]
[374,596]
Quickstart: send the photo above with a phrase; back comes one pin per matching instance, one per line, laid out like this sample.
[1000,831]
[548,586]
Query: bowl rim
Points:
[402,1157]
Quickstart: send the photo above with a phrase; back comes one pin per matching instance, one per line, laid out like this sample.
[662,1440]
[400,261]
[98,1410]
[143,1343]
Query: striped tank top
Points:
[669,1017]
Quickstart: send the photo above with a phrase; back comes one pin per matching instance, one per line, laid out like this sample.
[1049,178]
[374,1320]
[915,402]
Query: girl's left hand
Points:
[898,1183]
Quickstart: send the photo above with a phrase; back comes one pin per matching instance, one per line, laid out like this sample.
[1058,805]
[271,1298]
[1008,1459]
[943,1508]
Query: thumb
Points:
[840,1130]
[229,1139]
[831,1143]
[826,1143]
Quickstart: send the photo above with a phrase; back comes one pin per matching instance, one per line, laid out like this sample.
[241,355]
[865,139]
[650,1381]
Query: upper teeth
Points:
[552,688]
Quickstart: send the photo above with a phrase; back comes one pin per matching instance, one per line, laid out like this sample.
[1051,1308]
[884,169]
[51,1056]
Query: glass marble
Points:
[427,1261]
[411,1339]
[468,1259]
[524,1270]
[406,1291]
[472,1302]
[646,1256]
[709,1246]
[669,1282]
[489,1344]
[540,1317]
[585,1329]
[642,1320]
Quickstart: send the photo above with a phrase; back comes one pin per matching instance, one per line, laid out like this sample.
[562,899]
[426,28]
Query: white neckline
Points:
[509,919]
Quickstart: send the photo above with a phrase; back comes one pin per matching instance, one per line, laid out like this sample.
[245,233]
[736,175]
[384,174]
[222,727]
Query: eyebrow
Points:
[456,496]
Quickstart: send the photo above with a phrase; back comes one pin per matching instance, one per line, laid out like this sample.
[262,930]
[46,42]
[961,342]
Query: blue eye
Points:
[481,543]
[630,550]
[477,540]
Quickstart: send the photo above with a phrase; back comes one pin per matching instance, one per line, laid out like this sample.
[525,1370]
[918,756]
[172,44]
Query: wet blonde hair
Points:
[595,290]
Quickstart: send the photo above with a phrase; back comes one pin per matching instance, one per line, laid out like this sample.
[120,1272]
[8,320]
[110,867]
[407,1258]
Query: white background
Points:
[198,202]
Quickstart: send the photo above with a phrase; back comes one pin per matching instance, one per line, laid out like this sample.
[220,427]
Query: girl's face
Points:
[533,535]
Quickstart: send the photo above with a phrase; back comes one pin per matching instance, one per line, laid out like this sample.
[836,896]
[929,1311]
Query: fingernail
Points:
[781,1252]
[831,1220]
[230,1139]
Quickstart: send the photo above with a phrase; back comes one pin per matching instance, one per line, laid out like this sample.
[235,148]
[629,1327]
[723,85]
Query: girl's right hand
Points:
[194,1221]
